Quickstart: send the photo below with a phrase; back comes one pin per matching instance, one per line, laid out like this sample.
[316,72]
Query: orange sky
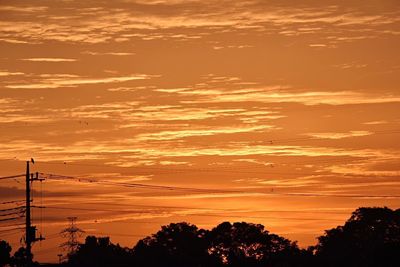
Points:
[190,93]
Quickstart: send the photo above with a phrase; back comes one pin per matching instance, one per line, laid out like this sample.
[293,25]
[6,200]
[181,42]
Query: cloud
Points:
[57,81]
[180,113]
[339,135]
[108,53]
[137,150]
[268,95]
[317,45]
[49,59]
[9,73]
[106,110]
[118,22]
[12,118]
[24,9]
[179,134]
[375,122]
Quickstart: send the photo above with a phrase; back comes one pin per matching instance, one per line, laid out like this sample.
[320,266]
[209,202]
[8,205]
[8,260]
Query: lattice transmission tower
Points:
[72,233]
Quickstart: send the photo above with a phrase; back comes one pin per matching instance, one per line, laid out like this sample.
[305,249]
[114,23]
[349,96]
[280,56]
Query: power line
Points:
[10,225]
[15,232]
[117,234]
[271,141]
[16,208]
[10,219]
[180,170]
[13,201]
[200,214]
[11,229]
[12,176]
[229,169]
[312,138]
[157,207]
[47,250]
[85,209]
[11,213]
[161,187]
[203,214]
[258,217]
[72,233]
[137,185]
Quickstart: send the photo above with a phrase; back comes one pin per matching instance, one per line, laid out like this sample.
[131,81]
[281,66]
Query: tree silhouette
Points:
[97,252]
[5,250]
[246,244]
[175,245]
[20,258]
[371,237]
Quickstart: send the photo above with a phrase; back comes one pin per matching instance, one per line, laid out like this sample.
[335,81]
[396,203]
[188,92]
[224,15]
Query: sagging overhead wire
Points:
[12,213]
[270,141]
[314,138]
[224,169]
[10,219]
[136,185]
[16,208]
[202,208]
[215,191]
[5,226]
[12,176]
[12,201]
[10,229]
[206,214]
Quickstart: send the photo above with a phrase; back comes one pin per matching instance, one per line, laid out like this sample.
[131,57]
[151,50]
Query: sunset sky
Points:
[284,113]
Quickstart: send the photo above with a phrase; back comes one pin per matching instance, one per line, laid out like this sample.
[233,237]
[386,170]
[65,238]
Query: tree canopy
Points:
[5,250]
[371,237]
[246,244]
[99,251]
[177,245]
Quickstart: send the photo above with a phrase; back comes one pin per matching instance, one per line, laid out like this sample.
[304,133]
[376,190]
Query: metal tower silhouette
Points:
[72,233]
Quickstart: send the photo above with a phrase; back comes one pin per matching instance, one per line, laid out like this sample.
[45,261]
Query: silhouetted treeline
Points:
[370,238]
[19,258]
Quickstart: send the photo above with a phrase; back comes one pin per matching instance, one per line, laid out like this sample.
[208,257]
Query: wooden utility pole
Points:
[30,231]
[28,226]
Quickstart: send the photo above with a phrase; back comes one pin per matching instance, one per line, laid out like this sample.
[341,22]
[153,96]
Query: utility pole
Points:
[30,231]
[28,235]
[59,258]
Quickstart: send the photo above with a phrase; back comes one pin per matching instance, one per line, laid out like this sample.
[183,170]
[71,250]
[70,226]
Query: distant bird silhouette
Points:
[85,122]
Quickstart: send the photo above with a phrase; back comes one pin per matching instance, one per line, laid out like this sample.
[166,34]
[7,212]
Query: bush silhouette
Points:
[5,250]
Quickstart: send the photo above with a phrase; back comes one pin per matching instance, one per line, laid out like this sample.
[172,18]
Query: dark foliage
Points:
[245,244]
[20,258]
[238,244]
[5,250]
[371,237]
[175,245]
[98,252]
